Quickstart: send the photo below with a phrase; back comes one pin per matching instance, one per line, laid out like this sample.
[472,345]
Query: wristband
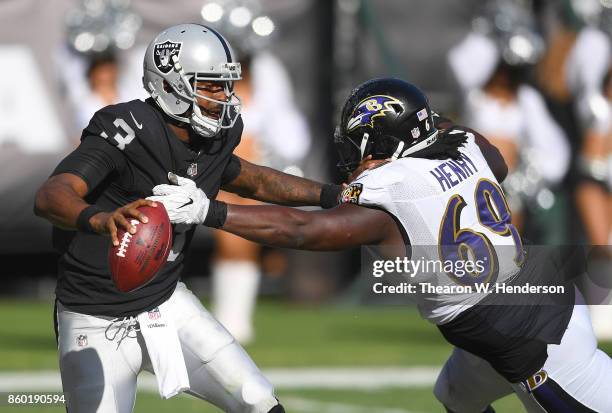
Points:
[217,214]
[82,223]
[329,195]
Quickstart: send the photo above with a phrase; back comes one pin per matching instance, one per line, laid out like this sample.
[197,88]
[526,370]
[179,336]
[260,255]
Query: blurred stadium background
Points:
[519,71]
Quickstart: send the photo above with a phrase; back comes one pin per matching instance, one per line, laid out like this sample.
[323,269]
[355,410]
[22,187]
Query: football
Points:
[139,256]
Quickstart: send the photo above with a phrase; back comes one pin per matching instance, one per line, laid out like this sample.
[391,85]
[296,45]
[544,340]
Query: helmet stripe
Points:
[228,54]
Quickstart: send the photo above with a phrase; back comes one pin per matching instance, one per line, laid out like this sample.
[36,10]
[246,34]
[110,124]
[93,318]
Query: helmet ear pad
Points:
[173,102]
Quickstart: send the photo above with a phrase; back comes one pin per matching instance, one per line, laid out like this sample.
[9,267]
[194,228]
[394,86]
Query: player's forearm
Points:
[58,203]
[284,189]
[274,225]
[269,185]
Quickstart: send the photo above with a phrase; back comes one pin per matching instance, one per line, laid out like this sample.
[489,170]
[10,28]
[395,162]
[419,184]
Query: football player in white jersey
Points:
[440,188]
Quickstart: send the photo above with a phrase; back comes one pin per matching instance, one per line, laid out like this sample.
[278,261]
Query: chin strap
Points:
[421,145]
[400,146]
[395,155]
[364,143]
[202,125]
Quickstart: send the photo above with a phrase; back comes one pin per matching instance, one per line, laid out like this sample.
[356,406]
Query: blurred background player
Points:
[95,65]
[574,75]
[493,67]
[594,202]
[275,134]
[591,85]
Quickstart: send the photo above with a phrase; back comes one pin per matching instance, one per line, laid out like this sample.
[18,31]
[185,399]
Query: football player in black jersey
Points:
[439,198]
[189,126]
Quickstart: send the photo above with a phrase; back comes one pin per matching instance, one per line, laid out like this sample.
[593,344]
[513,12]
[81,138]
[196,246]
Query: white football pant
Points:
[99,375]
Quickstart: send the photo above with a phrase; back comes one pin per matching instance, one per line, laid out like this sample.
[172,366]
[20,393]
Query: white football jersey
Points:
[451,211]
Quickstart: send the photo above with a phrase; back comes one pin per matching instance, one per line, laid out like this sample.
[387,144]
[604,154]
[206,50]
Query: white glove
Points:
[184,201]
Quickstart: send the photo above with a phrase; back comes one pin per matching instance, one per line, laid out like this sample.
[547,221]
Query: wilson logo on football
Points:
[125,240]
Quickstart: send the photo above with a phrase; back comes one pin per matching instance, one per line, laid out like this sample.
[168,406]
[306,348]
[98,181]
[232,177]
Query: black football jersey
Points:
[124,152]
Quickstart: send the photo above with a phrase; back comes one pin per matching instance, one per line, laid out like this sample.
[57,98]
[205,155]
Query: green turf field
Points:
[287,336]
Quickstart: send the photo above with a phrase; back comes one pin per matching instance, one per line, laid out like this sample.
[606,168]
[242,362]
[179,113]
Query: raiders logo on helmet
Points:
[163,55]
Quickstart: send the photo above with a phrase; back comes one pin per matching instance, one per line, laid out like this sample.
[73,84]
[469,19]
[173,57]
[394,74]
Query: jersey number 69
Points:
[457,244]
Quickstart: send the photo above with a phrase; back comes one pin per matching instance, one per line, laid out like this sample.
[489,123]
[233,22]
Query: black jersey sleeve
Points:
[232,170]
[93,160]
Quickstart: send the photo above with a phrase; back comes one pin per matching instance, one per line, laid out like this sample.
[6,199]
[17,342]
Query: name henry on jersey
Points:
[452,172]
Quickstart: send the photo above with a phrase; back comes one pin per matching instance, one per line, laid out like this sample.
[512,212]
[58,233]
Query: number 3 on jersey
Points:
[119,139]
[457,244]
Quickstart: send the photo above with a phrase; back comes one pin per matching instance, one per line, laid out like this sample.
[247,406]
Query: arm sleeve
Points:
[93,160]
[232,170]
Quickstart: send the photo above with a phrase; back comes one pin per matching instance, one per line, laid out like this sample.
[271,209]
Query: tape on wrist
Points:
[83,223]
[217,214]
[329,195]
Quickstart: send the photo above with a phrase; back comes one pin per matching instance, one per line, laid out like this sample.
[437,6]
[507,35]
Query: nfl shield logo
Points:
[81,340]
[154,314]
[163,53]
[415,133]
[192,170]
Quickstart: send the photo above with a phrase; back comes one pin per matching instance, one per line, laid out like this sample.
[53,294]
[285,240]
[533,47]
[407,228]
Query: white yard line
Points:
[352,378]
[299,404]
[282,378]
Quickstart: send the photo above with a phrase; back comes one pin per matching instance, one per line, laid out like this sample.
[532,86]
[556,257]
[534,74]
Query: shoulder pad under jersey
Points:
[120,124]
[372,187]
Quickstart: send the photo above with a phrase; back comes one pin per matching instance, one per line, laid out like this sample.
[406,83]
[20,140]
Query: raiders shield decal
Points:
[163,53]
